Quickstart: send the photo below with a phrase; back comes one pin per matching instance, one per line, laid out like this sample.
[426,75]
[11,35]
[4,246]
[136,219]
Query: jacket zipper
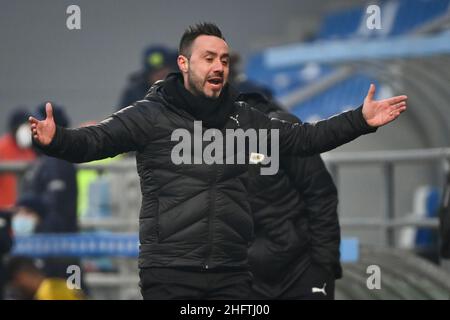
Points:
[206,265]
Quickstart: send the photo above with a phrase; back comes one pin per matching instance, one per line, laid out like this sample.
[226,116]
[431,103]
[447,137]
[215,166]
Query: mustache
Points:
[215,76]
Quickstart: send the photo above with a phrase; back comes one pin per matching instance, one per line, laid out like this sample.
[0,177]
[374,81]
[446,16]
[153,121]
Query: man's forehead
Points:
[210,44]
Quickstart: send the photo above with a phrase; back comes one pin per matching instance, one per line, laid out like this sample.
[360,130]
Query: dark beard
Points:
[214,112]
[197,91]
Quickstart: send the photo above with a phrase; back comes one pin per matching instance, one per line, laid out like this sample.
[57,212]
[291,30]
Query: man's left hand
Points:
[381,112]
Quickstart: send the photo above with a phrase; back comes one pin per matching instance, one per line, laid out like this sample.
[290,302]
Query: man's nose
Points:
[218,66]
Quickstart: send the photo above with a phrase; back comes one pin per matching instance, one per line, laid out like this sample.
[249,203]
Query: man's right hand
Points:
[43,131]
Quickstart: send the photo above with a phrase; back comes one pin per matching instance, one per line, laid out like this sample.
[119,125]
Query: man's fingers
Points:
[397,99]
[398,105]
[34,132]
[399,109]
[395,112]
[33,126]
[49,110]
[32,121]
[371,92]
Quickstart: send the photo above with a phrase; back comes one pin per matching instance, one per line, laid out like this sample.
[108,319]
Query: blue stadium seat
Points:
[347,94]
[412,14]
[341,24]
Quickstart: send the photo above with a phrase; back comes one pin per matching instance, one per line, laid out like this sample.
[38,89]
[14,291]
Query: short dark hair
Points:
[192,32]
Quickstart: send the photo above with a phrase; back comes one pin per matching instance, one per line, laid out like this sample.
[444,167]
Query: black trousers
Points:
[177,283]
[316,283]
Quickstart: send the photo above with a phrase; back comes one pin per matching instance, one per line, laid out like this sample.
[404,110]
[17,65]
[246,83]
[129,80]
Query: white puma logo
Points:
[317,290]
[235,119]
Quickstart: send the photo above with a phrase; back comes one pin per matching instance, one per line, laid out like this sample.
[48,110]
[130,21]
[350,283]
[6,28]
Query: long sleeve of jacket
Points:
[124,131]
[308,139]
[318,191]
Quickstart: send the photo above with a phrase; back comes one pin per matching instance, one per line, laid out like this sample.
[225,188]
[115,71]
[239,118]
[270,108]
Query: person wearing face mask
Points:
[29,217]
[29,213]
[14,146]
[24,219]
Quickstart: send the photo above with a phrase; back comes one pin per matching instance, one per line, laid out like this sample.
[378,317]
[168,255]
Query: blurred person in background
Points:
[25,218]
[29,282]
[157,62]
[297,232]
[14,146]
[28,215]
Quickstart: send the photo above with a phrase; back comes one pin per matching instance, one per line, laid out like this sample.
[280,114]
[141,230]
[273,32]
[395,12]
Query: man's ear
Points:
[183,63]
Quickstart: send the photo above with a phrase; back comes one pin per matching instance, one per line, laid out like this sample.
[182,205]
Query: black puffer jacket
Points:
[192,215]
[296,221]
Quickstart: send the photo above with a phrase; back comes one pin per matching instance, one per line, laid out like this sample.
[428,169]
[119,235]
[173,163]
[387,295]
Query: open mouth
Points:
[215,82]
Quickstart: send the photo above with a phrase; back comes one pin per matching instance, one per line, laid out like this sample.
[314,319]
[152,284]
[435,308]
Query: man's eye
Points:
[209,59]
[225,62]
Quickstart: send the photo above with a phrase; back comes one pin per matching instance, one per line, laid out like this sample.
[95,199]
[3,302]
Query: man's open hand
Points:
[43,131]
[378,113]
